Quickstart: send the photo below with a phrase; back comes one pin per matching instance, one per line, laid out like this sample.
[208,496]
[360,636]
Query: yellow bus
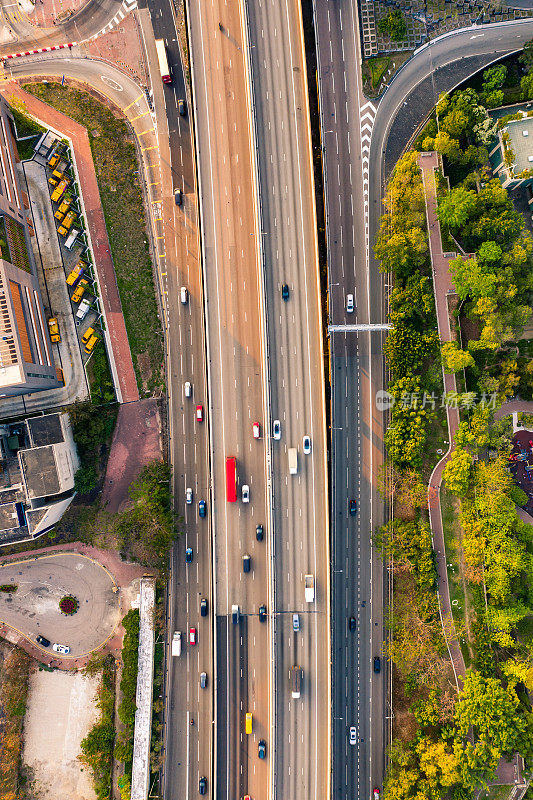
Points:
[249,722]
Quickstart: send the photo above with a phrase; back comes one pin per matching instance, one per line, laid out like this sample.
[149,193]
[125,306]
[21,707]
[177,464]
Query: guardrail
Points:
[271,539]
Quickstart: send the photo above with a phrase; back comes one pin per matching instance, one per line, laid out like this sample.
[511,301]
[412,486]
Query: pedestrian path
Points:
[443,288]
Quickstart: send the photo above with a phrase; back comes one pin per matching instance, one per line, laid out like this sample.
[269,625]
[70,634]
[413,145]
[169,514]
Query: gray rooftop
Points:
[8,517]
[45,430]
[40,472]
[521,140]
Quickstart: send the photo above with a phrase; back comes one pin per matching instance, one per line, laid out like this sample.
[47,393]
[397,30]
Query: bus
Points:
[249,722]
[231,479]
[163,61]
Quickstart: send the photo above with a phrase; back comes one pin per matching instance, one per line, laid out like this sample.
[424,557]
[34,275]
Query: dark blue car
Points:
[202,507]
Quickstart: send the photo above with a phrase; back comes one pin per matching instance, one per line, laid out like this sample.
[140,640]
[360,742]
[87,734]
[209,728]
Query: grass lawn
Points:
[459,595]
[116,166]
[497,793]
[378,67]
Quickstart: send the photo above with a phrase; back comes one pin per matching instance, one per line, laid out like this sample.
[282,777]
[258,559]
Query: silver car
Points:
[245,493]
[277,429]
[61,648]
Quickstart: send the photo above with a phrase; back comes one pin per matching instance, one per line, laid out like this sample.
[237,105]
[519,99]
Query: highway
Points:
[357,426]
[300,528]
[237,397]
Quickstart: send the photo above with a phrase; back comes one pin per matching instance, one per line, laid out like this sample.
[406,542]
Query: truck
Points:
[176,644]
[163,61]
[309,588]
[296,681]
[293,460]
[235,614]
[69,244]
[59,190]
[67,223]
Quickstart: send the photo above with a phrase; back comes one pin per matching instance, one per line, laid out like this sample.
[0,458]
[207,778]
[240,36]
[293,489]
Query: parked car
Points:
[44,641]
[75,274]
[79,290]
[87,335]
[192,635]
[200,413]
[53,327]
[89,347]
[61,648]
[81,313]
[203,607]
[202,508]
[259,533]
[188,555]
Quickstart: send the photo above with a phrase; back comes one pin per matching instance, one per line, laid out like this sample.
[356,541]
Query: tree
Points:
[457,472]
[526,57]
[85,479]
[527,86]
[493,80]
[454,358]
[457,207]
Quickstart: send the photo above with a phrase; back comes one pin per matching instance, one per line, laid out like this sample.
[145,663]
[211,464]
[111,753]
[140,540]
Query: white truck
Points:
[309,588]
[293,460]
[176,644]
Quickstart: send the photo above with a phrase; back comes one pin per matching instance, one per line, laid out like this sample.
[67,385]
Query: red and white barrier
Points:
[41,50]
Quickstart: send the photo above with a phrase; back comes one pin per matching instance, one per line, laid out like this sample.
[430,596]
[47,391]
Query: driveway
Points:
[34,608]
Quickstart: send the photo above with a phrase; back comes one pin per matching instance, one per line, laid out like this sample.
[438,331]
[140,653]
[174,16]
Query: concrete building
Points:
[26,360]
[511,155]
[38,461]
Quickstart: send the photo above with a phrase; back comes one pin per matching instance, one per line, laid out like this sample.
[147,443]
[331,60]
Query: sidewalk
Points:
[117,338]
[442,287]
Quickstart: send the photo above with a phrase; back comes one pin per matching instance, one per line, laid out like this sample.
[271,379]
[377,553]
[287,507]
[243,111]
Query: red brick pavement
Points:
[123,572]
[118,338]
[442,286]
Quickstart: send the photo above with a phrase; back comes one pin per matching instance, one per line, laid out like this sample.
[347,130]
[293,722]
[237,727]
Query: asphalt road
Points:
[357,426]
[300,531]
[236,400]
[33,609]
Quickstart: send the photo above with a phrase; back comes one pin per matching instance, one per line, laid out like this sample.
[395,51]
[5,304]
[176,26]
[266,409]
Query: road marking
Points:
[140,116]
[133,102]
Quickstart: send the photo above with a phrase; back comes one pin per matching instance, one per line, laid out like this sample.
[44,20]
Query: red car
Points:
[192,636]
[256,430]
[200,413]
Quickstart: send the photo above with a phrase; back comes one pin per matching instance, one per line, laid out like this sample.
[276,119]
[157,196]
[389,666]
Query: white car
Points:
[349,303]
[353,735]
[307,445]
[376,794]
[188,389]
[61,648]
[277,429]
[188,496]
[84,307]
[184,295]
[245,493]
[256,430]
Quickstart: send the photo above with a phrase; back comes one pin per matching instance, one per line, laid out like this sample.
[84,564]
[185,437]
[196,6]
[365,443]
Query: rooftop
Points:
[45,430]
[40,471]
[521,141]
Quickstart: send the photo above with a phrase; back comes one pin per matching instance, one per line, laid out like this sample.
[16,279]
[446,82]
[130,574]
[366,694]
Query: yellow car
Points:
[53,161]
[91,343]
[53,327]
[79,290]
[87,335]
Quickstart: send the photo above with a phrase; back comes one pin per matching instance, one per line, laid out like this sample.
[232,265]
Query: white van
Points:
[84,307]
[184,295]
[73,235]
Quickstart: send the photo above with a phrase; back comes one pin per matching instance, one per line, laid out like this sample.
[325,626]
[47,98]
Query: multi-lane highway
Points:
[237,396]
[300,525]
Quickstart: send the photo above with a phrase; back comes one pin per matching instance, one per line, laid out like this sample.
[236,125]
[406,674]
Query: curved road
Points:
[41,583]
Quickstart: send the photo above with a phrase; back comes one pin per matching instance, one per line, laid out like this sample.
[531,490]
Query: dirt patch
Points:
[61,710]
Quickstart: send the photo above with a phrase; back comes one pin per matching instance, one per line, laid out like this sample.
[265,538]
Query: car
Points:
[188,388]
[262,613]
[307,445]
[76,273]
[203,607]
[203,680]
[87,335]
[192,635]
[89,347]
[202,507]
[81,313]
[188,555]
[262,749]
[61,648]
[377,664]
[188,496]
[353,507]
[349,303]
[182,108]
[245,493]
[352,623]
[44,641]
[178,197]
[246,562]
[184,295]
[53,327]
[296,622]
[285,291]
[199,413]
[376,793]
[259,533]
[79,290]
[353,735]
[277,429]
[202,785]
[256,430]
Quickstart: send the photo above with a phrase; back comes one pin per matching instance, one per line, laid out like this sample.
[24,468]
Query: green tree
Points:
[454,358]
[457,472]
[457,207]
[527,86]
